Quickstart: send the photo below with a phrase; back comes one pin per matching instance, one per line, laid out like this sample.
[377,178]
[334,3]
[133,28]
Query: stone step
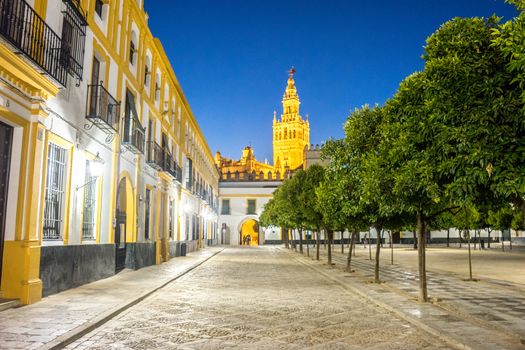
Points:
[8,303]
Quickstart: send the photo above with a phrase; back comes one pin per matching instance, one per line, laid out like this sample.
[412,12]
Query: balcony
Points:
[27,31]
[133,138]
[73,38]
[154,156]
[171,167]
[102,110]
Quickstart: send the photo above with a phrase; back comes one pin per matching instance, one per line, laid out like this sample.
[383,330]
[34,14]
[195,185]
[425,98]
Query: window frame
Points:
[223,211]
[248,211]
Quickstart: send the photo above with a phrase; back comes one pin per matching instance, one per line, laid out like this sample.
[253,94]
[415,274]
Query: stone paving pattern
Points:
[32,326]
[499,304]
[487,314]
[256,298]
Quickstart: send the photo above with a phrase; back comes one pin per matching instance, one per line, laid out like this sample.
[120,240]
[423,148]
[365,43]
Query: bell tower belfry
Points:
[291,134]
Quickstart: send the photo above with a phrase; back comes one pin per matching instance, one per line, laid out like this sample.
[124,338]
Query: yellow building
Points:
[102,163]
[291,138]
[247,166]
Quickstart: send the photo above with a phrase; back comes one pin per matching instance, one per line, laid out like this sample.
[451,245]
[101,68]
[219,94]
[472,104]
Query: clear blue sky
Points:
[232,57]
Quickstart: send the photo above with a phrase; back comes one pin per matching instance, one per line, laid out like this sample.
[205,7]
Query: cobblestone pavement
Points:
[498,305]
[60,315]
[258,298]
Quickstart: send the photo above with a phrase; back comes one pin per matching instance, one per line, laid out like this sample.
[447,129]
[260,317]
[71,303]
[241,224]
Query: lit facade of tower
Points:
[291,133]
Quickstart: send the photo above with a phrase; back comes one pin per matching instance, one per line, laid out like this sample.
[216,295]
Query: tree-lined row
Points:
[448,149]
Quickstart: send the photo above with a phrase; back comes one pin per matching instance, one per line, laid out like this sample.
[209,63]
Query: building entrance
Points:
[6,140]
[120,228]
[250,233]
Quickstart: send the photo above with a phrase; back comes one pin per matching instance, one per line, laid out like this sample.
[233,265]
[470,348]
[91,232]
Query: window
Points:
[225,210]
[90,205]
[55,189]
[189,173]
[194,228]
[95,72]
[147,212]
[73,39]
[131,51]
[187,226]
[147,74]
[99,4]
[170,229]
[250,210]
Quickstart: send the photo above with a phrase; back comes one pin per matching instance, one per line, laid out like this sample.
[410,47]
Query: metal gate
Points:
[6,139]
[120,241]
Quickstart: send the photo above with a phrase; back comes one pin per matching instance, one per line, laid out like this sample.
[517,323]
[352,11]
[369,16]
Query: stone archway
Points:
[249,228]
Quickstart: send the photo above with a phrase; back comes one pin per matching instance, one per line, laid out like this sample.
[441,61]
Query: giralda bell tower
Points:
[291,133]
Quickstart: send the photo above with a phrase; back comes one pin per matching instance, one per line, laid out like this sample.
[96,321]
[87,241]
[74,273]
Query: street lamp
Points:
[96,168]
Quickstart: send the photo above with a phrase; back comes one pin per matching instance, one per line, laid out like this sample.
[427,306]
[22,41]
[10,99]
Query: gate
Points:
[120,242]
[6,139]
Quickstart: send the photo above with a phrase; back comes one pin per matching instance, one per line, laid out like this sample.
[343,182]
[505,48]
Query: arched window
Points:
[133,47]
[285,133]
[147,71]
[294,134]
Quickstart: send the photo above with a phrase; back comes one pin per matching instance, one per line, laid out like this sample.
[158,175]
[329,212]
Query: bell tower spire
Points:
[291,133]
[290,98]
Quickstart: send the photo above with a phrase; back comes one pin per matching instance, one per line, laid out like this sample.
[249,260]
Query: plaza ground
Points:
[258,298]
[270,297]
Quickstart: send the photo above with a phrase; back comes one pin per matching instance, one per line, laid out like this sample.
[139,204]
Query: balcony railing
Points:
[154,155]
[133,137]
[102,109]
[28,32]
[73,37]
[171,167]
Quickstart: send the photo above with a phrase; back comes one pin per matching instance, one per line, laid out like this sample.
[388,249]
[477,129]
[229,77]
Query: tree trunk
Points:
[369,246]
[354,244]
[475,234]
[448,237]
[349,259]
[329,234]
[284,234]
[460,239]
[324,239]
[391,249]
[502,240]
[489,231]
[301,240]
[379,231]
[382,236]
[415,240]
[342,242]
[469,259]
[307,244]
[317,233]
[421,226]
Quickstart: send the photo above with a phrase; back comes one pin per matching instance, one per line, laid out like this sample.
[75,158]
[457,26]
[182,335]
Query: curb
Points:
[78,332]
[448,340]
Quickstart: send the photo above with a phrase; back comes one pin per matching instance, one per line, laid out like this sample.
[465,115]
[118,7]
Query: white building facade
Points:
[241,204]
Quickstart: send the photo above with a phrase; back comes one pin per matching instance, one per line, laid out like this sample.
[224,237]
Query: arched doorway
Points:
[250,232]
[121,227]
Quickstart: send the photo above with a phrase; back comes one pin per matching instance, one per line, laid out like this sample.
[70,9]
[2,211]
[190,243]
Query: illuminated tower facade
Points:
[291,133]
